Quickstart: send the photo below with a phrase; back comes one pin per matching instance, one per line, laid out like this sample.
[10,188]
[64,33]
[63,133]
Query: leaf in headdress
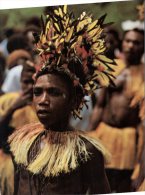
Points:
[58,60]
[43,25]
[71,15]
[101,19]
[103,58]
[67,22]
[67,39]
[55,37]
[56,27]
[36,37]
[56,12]
[98,47]
[109,68]
[108,24]
[93,32]
[99,50]
[47,25]
[87,87]
[92,25]
[60,12]
[111,82]
[54,18]
[77,114]
[65,9]
[83,23]
[93,89]
[43,38]
[107,72]
[40,51]
[102,78]
[61,25]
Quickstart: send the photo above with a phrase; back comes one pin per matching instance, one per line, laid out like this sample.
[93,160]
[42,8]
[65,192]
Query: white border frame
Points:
[10,4]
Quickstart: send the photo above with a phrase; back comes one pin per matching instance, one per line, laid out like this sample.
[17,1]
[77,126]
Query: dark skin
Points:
[53,104]
[113,104]
[88,177]
[111,44]
[133,47]
[2,71]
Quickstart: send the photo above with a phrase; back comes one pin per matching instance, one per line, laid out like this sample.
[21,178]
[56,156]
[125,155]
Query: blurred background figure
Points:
[8,32]
[18,41]
[32,26]
[113,42]
[16,110]
[28,33]
[117,119]
[2,71]
[15,62]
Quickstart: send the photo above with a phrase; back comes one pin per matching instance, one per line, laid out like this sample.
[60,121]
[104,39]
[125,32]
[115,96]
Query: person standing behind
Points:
[2,71]
[116,121]
[16,110]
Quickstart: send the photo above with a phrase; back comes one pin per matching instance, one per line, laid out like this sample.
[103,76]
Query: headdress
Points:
[75,47]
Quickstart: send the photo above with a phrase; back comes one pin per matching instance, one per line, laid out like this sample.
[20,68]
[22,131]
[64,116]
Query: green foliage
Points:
[116,12]
[17,17]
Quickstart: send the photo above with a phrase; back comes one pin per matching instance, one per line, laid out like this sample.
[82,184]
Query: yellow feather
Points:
[56,12]
[102,78]
[82,23]
[67,39]
[94,31]
[105,59]
[57,27]
[97,63]
[65,9]
[55,37]
[92,25]
[60,12]
[67,21]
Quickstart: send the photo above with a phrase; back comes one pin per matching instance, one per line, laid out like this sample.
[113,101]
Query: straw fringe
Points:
[99,146]
[6,174]
[56,152]
[22,139]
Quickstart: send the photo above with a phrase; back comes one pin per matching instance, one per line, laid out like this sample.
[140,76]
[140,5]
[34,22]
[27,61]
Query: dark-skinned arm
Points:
[94,173]
[5,128]
[97,113]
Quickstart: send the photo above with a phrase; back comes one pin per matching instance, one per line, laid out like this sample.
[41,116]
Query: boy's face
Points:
[52,100]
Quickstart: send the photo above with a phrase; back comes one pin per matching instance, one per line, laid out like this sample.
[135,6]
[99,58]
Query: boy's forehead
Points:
[48,80]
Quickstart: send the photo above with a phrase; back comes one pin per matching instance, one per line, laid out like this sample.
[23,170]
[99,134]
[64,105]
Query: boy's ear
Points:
[72,103]
[75,101]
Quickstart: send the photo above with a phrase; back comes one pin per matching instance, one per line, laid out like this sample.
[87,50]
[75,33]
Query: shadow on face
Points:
[52,99]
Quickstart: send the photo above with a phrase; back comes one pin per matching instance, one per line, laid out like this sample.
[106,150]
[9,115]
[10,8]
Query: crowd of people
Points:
[71,107]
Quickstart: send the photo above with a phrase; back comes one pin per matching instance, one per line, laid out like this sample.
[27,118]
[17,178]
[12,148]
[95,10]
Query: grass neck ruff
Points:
[51,153]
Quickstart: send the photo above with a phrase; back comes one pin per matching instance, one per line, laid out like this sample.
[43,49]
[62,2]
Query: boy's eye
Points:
[51,91]
[37,91]
[54,92]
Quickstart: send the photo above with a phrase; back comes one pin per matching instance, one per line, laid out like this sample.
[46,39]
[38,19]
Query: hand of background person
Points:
[24,99]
